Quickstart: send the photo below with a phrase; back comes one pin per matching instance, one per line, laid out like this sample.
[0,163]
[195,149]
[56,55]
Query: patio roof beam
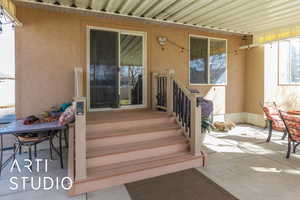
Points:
[65,2]
[49,1]
[188,9]
[278,24]
[160,6]
[113,5]
[82,3]
[266,14]
[203,18]
[173,8]
[99,5]
[98,8]
[128,6]
[143,7]
[272,16]
[251,10]
[205,9]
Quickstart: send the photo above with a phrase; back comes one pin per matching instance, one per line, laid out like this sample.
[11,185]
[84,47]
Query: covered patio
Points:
[239,161]
[154,89]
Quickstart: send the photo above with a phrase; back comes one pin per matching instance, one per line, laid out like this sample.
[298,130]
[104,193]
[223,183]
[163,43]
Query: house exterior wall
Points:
[50,44]
[254,80]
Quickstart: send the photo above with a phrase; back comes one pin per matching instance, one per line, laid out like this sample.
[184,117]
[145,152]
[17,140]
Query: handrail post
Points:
[78,79]
[170,91]
[154,90]
[196,136]
[79,105]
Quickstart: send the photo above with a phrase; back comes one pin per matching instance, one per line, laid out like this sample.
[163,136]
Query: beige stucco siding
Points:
[254,82]
[51,44]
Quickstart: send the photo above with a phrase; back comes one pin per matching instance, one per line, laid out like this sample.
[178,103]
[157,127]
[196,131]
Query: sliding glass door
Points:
[104,67]
[131,69]
[116,69]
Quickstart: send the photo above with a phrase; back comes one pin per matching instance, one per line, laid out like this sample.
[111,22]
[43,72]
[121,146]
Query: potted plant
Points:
[206,124]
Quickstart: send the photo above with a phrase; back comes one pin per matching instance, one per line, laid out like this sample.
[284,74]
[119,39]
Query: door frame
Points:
[145,78]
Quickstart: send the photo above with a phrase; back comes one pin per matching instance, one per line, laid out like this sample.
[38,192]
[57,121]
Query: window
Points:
[289,61]
[208,61]
[7,74]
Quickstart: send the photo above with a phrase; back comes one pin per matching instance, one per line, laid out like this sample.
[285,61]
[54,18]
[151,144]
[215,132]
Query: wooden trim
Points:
[154,90]
[80,141]
[170,91]
[196,135]
[96,184]
[71,157]
[78,81]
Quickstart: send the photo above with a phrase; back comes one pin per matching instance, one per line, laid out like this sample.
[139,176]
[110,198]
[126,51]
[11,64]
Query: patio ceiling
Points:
[235,16]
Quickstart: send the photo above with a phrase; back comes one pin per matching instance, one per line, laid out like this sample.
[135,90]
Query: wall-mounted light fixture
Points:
[162,40]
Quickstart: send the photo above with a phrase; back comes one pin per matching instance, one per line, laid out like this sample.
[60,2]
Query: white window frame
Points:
[208,56]
[145,71]
[280,83]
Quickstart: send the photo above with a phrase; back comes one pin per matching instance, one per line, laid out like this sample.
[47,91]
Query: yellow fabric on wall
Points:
[276,34]
[10,9]
[9,6]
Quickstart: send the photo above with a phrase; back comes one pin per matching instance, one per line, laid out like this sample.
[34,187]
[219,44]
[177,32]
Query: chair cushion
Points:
[270,112]
[273,115]
[293,125]
[27,139]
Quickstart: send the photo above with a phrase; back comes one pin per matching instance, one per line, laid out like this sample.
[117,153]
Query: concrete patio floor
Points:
[240,161]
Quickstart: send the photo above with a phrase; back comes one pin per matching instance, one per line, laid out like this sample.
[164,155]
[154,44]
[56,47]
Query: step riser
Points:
[97,184]
[133,155]
[129,124]
[91,143]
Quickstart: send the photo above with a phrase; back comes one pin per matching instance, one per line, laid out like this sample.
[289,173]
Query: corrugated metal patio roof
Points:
[235,16]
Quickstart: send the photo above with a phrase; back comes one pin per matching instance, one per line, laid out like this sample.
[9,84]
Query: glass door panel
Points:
[104,69]
[131,69]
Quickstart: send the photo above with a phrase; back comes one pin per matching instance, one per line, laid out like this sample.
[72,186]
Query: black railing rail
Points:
[175,98]
[162,84]
[182,107]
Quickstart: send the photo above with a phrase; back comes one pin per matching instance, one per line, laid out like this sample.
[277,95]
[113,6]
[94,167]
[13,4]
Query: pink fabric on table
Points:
[67,116]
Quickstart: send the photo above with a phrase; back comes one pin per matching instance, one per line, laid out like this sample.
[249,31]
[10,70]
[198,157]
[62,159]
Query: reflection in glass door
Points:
[104,65]
[131,69]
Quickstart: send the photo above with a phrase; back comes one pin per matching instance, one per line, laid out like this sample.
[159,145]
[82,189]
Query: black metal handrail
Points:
[182,107]
[162,92]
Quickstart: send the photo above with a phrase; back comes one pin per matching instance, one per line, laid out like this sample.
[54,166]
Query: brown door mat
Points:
[184,185]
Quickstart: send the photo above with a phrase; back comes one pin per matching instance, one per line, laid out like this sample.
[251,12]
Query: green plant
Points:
[206,124]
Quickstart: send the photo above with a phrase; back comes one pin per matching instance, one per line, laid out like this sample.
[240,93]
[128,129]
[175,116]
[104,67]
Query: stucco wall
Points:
[254,79]
[51,44]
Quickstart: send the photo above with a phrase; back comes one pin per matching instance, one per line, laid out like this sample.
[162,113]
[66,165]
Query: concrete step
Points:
[130,171]
[100,139]
[104,155]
